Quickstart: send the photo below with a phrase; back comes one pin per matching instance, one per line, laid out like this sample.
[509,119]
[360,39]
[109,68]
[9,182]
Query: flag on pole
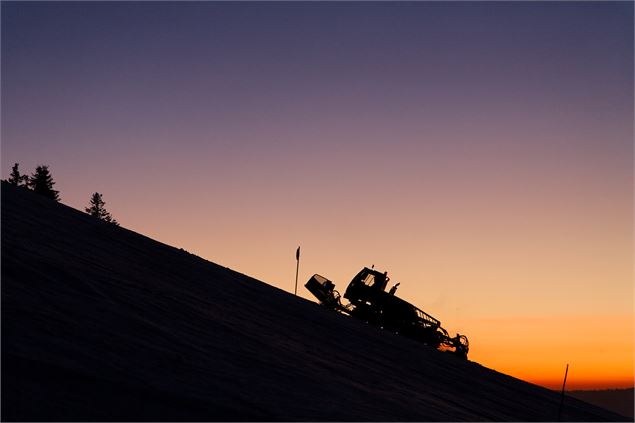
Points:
[297,254]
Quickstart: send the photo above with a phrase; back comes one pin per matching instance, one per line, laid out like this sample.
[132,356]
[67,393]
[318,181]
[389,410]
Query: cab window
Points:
[369,280]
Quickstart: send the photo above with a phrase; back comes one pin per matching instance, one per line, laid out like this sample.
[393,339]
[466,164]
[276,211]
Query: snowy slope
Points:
[101,323]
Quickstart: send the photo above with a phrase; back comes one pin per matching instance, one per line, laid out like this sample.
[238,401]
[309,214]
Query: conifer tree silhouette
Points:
[42,183]
[16,178]
[97,209]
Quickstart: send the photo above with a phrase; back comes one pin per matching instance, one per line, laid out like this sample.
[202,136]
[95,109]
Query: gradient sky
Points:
[481,153]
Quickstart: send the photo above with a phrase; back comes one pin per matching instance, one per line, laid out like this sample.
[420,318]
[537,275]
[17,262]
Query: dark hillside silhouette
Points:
[102,323]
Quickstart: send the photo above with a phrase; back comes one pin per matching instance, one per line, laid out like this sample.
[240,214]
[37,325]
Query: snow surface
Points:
[102,323]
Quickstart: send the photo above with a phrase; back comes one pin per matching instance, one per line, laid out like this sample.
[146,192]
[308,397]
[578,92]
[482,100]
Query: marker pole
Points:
[297,268]
[562,396]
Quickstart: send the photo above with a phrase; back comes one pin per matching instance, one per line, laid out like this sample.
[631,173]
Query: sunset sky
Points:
[481,153]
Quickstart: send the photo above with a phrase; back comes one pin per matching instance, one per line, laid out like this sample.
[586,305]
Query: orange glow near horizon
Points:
[599,350]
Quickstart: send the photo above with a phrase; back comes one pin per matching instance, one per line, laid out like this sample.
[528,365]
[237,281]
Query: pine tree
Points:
[16,178]
[42,183]
[98,209]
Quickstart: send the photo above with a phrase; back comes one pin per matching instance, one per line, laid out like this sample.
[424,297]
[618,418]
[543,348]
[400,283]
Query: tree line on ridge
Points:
[41,182]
